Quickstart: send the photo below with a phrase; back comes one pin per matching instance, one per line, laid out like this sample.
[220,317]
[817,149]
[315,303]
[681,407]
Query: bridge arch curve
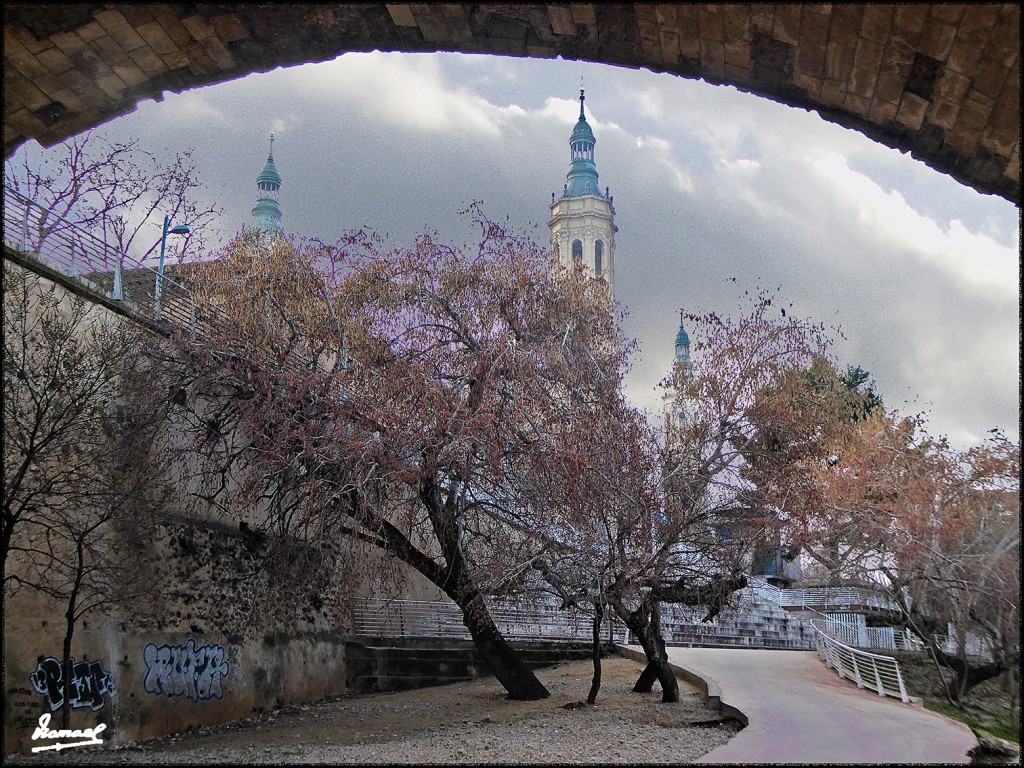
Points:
[940,81]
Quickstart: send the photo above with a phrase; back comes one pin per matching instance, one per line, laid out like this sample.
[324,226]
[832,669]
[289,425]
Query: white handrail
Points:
[419,618]
[867,670]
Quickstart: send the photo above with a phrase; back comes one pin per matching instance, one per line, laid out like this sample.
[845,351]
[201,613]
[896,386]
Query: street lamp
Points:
[180,229]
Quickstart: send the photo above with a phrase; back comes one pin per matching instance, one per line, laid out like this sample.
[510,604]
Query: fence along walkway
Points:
[516,621]
[99,269]
[867,670]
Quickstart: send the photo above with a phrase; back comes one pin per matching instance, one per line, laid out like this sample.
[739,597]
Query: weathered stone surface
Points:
[917,77]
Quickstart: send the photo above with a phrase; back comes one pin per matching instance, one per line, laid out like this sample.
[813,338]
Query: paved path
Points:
[798,711]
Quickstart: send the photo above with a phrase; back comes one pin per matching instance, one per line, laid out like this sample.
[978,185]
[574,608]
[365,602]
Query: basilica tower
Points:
[266,214]
[583,220]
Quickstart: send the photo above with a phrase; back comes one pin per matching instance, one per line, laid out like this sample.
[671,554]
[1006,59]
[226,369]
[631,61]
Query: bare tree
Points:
[388,396]
[76,474]
[117,191]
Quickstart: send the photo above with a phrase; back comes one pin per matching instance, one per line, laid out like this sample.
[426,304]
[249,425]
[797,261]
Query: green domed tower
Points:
[583,220]
[266,214]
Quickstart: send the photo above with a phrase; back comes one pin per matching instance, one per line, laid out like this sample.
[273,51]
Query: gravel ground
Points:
[463,723]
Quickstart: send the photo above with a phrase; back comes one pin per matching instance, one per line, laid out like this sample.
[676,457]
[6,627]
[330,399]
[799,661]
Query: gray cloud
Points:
[708,183]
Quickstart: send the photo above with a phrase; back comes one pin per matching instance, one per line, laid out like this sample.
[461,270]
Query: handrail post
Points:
[24,230]
[878,678]
[74,266]
[117,274]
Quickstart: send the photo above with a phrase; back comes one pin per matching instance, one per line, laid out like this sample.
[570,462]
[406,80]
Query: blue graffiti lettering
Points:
[89,683]
[185,670]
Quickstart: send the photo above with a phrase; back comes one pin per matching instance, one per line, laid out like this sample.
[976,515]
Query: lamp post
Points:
[180,229]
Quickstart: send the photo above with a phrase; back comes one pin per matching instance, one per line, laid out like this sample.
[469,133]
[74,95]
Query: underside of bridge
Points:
[941,81]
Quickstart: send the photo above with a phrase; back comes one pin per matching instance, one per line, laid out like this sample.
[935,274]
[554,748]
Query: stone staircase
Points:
[375,664]
[750,621]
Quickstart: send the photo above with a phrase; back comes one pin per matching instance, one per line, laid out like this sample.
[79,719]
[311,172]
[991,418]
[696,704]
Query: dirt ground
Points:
[482,700]
[386,721]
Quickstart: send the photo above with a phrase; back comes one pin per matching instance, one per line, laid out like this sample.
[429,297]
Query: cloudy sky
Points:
[920,273]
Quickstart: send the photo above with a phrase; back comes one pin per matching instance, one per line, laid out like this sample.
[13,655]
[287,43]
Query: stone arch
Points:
[939,80]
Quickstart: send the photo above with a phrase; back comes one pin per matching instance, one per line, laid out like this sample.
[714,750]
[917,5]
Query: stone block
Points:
[173,28]
[909,20]
[787,23]
[814,28]
[833,93]
[584,13]
[963,57]
[23,121]
[68,42]
[200,28]
[91,31]
[712,58]
[711,24]
[559,15]
[110,18]
[27,39]
[199,60]
[952,86]
[943,113]
[176,59]
[937,38]
[868,55]
[129,72]
[25,62]
[148,61]
[889,86]
[217,51]
[977,23]
[736,23]
[974,113]
[947,13]
[55,61]
[24,91]
[838,61]
[912,111]
[855,104]
[989,79]
[737,55]
[229,28]
[808,84]
[109,50]
[810,60]
[112,85]
[156,38]
[401,15]
[669,46]
[876,23]
[861,83]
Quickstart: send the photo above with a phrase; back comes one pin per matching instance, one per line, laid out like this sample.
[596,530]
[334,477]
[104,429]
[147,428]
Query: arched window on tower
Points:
[598,257]
[577,252]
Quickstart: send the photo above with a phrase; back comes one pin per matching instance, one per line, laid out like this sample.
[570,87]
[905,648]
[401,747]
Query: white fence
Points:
[103,270]
[868,670]
[522,621]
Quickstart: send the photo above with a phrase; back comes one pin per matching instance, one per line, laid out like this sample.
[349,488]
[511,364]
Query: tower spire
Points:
[582,220]
[266,214]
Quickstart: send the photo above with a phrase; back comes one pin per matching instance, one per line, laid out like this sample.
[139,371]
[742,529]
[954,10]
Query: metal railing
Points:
[868,670]
[821,597]
[101,269]
[417,618]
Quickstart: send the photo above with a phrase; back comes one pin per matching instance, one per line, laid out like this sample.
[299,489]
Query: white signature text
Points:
[91,735]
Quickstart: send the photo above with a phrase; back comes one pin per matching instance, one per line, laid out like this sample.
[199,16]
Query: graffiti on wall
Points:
[89,683]
[186,670]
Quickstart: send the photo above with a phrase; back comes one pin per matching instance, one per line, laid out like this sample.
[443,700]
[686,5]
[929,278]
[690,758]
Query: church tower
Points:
[677,410]
[266,214]
[583,220]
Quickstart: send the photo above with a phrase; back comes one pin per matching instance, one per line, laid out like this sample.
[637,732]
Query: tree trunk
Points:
[595,684]
[645,682]
[512,673]
[649,637]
